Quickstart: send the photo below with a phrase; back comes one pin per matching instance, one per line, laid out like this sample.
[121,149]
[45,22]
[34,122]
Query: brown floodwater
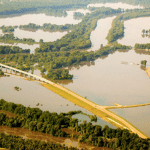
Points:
[110,81]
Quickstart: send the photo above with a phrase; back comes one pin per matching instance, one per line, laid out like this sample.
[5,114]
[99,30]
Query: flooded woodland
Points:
[104,81]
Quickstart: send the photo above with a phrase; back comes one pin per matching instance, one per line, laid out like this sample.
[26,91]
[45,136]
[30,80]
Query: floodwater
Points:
[138,116]
[133,31]
[98,36]
[116,5]
[32,93]
[40,34]
[38,19]
[109,81]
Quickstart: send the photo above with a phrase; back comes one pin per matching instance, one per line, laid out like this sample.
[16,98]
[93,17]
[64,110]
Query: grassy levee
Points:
[94,110]
[74,100]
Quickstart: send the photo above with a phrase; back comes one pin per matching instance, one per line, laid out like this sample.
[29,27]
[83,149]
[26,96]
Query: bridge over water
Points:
[26,74]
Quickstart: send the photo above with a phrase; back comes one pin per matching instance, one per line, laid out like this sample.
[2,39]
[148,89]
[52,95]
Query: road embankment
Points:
[98,110]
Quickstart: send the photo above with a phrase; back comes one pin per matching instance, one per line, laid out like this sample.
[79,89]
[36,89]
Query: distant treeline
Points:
[46,27]
[35,119]
[54,7]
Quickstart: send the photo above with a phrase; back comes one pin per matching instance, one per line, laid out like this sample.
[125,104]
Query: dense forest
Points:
[35,119]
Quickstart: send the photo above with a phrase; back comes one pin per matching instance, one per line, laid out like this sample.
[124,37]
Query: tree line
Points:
[12,50]
[8,28]
[46,27]
[10,38]
[35,119]
[142,46]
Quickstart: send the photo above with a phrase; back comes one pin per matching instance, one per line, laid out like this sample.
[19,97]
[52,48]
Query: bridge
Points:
[11,70]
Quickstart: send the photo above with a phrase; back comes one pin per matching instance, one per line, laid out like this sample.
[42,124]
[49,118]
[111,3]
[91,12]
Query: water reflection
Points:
[143,67]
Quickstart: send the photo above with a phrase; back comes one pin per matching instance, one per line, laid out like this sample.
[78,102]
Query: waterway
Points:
[98,36]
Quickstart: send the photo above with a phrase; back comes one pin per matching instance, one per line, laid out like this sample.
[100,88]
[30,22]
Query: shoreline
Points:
[98,110]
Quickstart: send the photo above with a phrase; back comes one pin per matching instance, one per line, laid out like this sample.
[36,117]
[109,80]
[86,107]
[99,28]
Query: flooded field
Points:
[133,31]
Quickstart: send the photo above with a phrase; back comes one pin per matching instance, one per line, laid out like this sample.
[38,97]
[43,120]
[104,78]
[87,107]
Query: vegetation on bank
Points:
[46,27]
[8,28]
[1,73]
[142,46]
[12,50]
[35,119]
[78,15]
[10,38]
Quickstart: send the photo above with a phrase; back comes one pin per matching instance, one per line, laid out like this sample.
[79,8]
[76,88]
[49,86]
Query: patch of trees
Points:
[12,50]
[59,74]
[10,38]
[46,27]
[51,123]
[8,28]
[78,15]
[16,142]
[142,46]
[1,73]
[143,62]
